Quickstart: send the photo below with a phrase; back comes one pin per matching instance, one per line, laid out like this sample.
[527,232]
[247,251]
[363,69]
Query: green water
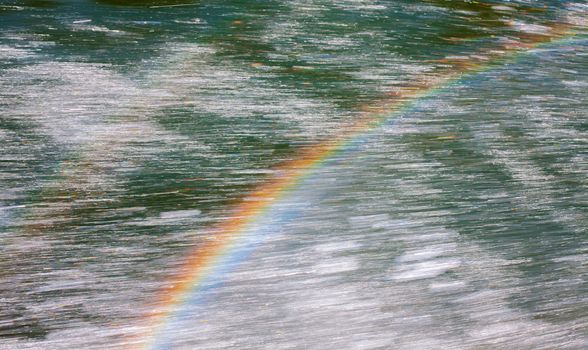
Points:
[129,128]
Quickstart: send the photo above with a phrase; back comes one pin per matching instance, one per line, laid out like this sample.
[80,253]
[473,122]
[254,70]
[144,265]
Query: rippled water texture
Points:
[300,174]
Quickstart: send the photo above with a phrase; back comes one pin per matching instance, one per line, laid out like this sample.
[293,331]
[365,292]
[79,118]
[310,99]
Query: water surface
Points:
[129,129]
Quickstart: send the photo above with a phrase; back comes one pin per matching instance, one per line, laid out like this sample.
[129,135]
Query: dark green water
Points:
[128,128]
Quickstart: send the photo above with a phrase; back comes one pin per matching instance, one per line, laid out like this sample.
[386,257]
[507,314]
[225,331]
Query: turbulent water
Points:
[129,129]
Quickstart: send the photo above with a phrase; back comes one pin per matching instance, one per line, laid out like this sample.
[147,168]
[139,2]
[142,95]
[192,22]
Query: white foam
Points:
[425,269]
[368,220]
[503,8]
[180,214]
[447,286]
[338,265]
[10,52]
[336,247]
[528,27]
[426,253]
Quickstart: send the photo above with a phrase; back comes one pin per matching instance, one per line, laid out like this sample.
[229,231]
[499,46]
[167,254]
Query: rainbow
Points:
[232,240]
